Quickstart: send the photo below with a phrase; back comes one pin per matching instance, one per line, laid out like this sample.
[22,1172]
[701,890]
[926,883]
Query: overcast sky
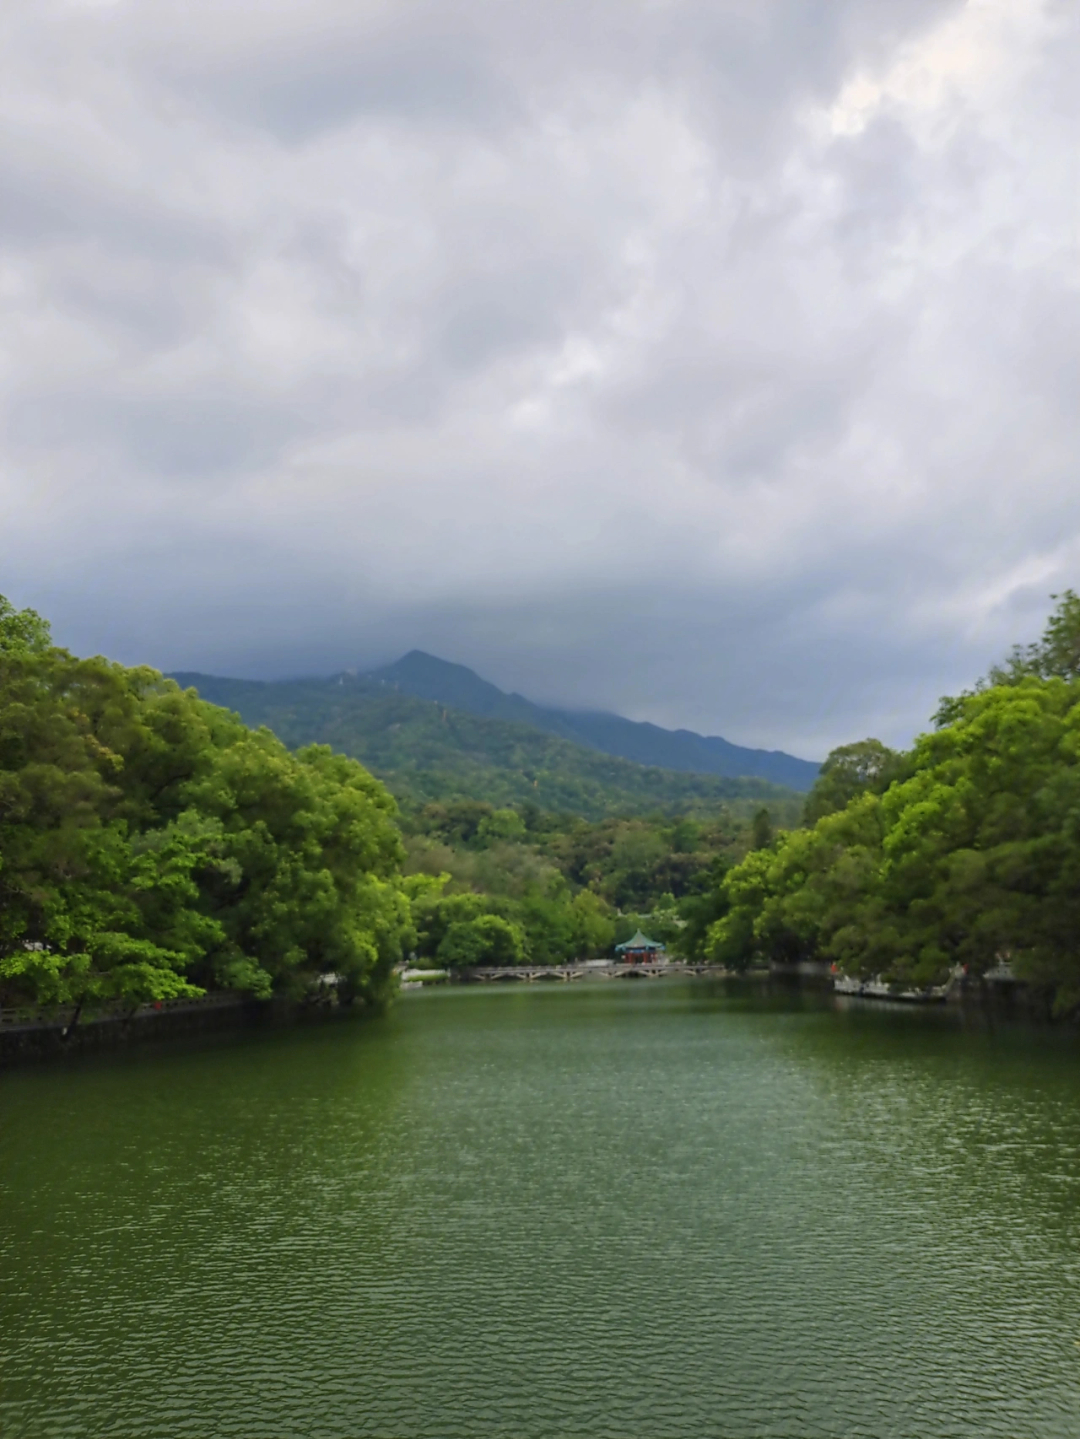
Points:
[712,361]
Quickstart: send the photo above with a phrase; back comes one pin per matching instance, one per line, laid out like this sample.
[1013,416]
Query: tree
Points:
[317,853]
[90,908]
[761,831]
[974,857]
[22,632]
[550,924]
[501,825]
[685,836]
[593,926]
[700,910]
[435,912]
[1055,656]
[486,940]
[981,848]
[151,846]
[785,905]
[849,771]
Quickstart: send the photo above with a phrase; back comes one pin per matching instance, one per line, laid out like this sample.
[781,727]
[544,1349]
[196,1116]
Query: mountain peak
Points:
[428,677]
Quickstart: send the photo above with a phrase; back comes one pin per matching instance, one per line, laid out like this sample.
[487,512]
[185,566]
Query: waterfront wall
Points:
[26,1036]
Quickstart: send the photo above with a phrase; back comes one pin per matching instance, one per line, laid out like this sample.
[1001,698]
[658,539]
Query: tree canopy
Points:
[966,851]
[22,631]
[572,886]
[152,847]
[1056,655]
[851,770]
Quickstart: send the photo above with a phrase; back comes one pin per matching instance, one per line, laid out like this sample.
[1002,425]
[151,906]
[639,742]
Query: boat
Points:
[878,988]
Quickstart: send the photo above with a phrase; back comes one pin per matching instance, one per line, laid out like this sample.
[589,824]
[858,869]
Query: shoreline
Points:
[43,1037]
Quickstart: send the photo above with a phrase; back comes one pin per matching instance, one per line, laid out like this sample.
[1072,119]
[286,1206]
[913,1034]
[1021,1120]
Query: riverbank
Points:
[30,1036]
[999,992]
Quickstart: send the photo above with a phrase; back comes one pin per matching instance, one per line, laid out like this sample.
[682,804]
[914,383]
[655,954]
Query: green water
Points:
[634,1211]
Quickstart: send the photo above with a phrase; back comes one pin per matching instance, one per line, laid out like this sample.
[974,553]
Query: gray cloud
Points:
[335,76]
[715,363]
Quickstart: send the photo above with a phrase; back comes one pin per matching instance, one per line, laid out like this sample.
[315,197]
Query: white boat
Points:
[844,984]
[877,988]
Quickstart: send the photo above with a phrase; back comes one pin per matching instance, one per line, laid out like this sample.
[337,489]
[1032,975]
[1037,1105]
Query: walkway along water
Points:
[586,969]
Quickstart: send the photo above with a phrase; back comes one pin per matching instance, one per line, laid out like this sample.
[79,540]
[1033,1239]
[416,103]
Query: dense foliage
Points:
[561,887]
[459,688]
[966,851]
[153,847]
[426,752]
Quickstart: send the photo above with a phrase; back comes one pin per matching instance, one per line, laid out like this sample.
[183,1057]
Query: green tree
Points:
[686,836]
[22,632]
[1056,655]
[316,851]
[851,770]
[593,926]
[700,910]
[785,903]
[435,912]
[486,940]
[550,925]
[90,910]
[981,847]
[761,830]
[501,826]
[973,858]
[151,846]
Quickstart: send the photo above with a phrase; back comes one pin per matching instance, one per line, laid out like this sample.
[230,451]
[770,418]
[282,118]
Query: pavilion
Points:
[639,948]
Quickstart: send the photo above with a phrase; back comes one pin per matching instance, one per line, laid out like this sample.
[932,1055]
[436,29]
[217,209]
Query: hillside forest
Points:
[153,846]
[428,751]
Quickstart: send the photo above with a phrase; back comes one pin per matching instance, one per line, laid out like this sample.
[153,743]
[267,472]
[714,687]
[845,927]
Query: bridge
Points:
[590,969]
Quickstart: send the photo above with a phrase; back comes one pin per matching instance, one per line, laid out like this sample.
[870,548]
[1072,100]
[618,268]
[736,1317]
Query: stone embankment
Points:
[28,1034]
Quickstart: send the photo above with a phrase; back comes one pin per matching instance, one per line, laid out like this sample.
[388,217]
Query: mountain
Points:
[428,750]
[430,678]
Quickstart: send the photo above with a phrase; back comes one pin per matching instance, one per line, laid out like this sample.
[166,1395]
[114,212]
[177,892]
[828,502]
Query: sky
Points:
[715,362]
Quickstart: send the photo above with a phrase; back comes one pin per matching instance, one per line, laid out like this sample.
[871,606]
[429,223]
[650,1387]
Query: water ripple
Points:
[542,1214]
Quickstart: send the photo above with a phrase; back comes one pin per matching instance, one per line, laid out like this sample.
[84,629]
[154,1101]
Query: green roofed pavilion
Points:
[640,946]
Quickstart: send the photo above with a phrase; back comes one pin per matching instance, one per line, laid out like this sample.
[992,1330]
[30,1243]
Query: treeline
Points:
[505,886]
[152,847]
[963,851]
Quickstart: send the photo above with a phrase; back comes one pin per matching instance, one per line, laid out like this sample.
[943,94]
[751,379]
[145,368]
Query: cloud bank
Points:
[713,361]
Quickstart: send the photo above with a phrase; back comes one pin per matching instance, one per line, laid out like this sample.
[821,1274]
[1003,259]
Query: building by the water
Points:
[640,948]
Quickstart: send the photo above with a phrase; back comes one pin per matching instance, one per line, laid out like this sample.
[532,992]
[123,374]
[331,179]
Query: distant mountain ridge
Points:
[428,677]
[427,751]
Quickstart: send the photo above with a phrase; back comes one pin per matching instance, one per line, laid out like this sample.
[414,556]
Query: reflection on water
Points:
[666,1210]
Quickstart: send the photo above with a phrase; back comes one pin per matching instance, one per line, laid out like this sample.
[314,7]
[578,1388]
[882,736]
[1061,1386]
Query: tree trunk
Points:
[66,1032]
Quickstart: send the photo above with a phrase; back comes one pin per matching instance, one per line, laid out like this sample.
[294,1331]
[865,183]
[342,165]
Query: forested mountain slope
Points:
[429,751]
[431,678]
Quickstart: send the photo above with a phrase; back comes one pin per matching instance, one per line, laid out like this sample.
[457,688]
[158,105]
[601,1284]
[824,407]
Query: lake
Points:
[671,1209]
